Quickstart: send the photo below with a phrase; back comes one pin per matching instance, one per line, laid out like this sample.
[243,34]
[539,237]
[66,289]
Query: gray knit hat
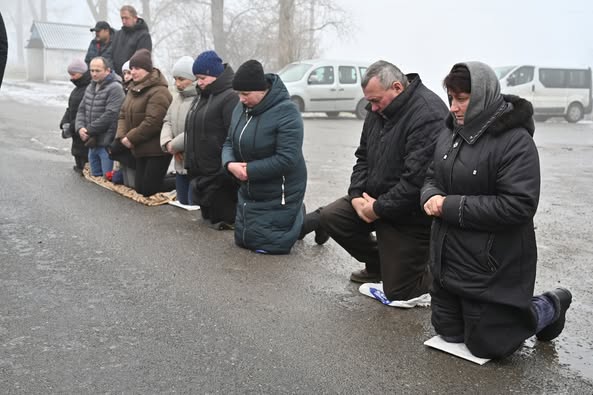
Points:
[77,66]
[183,68]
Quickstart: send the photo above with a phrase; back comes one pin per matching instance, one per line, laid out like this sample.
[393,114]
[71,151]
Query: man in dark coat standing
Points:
[396,147]
[101,45]
[133,36]
[3,48]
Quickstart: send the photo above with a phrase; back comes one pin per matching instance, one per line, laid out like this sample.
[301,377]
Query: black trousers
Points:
[399,252]
[150,172]
[80,161]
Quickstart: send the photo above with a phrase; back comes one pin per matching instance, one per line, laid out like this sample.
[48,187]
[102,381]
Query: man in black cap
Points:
[101,44]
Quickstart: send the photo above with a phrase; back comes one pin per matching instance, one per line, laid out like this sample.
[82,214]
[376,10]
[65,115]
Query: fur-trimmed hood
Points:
[514,112]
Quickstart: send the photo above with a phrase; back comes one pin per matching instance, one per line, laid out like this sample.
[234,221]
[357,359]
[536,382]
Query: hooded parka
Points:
[483,247]
[269,138]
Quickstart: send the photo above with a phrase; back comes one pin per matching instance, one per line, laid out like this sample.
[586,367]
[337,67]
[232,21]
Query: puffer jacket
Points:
[269,138]
[483,246]
[127,41]
[99,109]
[174,124]
[78,147]
[142,113]
[395,151]
[208,124]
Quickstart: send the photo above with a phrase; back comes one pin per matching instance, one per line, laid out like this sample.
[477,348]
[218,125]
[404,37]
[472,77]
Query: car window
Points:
[362,71]
[578,79]
[521,76]
[322,76]
[552,78]
[347,75]
[293,72]
[501,72]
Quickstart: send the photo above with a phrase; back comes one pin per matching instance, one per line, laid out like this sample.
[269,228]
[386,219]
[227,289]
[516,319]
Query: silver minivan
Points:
[326,85]
[553,91]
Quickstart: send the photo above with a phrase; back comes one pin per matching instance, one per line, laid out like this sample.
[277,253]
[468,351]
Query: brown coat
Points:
[141,115]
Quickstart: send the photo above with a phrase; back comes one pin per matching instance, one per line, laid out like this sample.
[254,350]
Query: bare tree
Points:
[98,9]
[286,35]
[217,21]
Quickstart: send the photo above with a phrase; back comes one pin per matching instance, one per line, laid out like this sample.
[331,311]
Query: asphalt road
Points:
[101,294]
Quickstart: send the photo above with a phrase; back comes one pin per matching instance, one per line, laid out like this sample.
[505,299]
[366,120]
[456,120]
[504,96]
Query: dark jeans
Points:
[399,252]
[182,188]
[150,172]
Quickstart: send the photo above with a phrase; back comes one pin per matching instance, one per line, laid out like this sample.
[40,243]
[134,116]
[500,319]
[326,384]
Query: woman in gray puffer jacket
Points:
[264,151]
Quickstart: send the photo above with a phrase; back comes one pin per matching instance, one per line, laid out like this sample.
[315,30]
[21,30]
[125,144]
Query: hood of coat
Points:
[276,93]
[488,109]
[514,112]
[154,78]
[82,81]
[223,82]
[140,25]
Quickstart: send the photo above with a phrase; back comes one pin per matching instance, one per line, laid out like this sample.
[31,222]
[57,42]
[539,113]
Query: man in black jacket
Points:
[133,36]
[101,45]
[396,147]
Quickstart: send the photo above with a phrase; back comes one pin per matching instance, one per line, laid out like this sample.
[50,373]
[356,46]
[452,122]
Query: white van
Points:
[325,85]
[553,91]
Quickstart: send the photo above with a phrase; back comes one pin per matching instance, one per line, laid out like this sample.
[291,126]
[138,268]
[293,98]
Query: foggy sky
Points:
[429,36]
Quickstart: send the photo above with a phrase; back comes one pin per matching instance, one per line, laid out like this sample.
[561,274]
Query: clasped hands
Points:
[239,170]
[364,208]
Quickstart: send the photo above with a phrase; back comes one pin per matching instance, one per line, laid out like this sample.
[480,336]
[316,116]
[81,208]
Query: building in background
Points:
[51,47]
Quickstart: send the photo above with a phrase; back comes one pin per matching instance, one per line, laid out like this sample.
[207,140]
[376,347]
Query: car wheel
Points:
[574,113]
[333,114]
[540,118]
[361,111]
[299,103]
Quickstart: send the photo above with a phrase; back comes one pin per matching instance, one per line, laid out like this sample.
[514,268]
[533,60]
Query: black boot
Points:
[313,224]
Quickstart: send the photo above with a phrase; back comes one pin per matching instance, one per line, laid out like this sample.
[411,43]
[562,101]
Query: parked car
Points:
[553,91]
[325,85]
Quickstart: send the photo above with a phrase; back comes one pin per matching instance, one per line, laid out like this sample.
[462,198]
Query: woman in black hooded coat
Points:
[483,190]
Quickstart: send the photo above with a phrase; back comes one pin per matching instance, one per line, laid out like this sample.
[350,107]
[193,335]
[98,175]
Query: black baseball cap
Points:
[101,25]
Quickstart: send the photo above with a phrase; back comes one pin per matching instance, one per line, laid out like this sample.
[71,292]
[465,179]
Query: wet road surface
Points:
[101,294]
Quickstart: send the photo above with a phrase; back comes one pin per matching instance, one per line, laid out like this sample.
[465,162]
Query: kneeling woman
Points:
[482,190]
[264,152]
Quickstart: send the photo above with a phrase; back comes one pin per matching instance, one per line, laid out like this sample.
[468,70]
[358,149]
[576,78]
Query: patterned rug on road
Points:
[154,200]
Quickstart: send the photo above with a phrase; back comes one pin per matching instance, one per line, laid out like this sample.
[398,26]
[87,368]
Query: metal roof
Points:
[51,35]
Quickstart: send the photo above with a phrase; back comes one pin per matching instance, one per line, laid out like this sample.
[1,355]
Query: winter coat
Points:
[207,125]
[174,124]
[97,48]
[269,137]
[78,148]
[3,48]
[142,113]
[127,41]
[395,151]
[483,246]
[99,110]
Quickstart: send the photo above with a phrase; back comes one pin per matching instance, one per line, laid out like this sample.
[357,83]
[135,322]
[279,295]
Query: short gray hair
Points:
[387,73]
[129,9]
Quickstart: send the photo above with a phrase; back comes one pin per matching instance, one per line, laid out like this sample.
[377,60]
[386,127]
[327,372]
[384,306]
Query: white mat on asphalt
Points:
[458,349]
[375,291]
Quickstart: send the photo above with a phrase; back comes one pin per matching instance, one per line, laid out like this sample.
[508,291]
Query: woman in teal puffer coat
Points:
[264,152]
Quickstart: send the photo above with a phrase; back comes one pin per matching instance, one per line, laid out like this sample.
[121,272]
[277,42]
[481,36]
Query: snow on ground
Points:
[52,93]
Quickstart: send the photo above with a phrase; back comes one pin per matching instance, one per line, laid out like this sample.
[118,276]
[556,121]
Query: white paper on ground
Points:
[375,291]
[183,206]
[458,349]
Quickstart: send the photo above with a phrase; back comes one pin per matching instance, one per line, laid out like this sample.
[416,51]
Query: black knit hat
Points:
[141,59]
[250,77]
